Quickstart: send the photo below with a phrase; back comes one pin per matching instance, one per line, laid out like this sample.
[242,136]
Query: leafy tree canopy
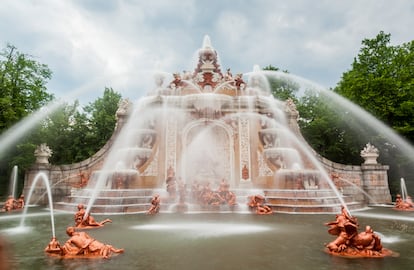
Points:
[381,81]
[22,86]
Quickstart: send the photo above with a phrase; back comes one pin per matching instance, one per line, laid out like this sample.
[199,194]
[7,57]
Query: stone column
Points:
[374,176]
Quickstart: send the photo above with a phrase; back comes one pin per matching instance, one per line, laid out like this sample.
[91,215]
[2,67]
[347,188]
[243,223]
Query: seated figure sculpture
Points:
[82,221]
[403,204]
[20,202]
[10,204]
[257,202]
[155,205]
[80,244]
[350,243]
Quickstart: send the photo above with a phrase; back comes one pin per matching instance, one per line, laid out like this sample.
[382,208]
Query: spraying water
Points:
[40,176]
[13,182]
[404,192]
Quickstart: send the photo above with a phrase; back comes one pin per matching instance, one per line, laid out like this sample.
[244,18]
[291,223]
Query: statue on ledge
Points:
[155,205]
[82,221]
[257,203]
[349,243]
[403,204]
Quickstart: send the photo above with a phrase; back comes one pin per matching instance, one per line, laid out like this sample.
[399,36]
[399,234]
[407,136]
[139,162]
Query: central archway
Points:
[207,153]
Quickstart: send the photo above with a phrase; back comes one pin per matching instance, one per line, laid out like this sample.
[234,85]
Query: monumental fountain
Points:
[184,174]
[202,128]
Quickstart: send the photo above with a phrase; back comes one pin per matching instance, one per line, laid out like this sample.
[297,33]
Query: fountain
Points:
[185,169]
[207,126]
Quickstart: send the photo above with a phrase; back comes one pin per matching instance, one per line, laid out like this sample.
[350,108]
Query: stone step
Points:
[138,201]
[323,208]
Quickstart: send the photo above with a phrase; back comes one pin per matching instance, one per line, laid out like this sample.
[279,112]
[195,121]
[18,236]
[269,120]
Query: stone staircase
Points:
[308,201]
[111,201]
[130,201]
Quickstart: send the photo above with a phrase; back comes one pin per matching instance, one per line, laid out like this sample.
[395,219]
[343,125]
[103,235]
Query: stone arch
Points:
[207,152]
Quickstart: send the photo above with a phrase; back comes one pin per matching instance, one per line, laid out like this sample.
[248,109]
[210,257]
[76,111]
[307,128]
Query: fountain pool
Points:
[213,241]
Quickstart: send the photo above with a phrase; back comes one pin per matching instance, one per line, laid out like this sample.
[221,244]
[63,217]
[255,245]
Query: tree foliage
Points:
[22,86]
[329,131]
[103,119]
[72,133]
[23,90]
[282,88]
[75,135]
[381,81]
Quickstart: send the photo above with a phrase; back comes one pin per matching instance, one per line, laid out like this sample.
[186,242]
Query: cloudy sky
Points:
[92,44]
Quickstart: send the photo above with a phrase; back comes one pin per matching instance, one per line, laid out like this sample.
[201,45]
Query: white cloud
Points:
[116,42]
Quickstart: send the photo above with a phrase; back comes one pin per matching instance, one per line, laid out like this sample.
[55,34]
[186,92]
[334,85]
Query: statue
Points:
[210,197]
[13,204]
[124,106]
[240,84]
[80,244]
[350,243]
[20,202]
[245,172]
[171,183]
[147,141]
[403,204]
[228,196]
[54,247]
[84,178]
[177,83]
[43,153]
[155,205]
[257,203]
[82,221]
[10,204]
[228,76]
[370,154]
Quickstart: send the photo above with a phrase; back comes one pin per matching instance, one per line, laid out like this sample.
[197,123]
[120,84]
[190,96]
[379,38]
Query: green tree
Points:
[61,132]
[75,135]
[281,87]
[381,81]
[22,86]
[329,131]
[22,91]
[103,116]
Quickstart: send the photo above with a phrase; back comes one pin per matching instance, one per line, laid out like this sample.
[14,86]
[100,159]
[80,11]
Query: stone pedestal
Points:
[375,183]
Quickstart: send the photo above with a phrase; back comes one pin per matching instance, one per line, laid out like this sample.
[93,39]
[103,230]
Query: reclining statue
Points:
[80,244]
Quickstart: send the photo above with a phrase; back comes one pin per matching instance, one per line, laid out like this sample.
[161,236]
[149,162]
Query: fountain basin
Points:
[211,240]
